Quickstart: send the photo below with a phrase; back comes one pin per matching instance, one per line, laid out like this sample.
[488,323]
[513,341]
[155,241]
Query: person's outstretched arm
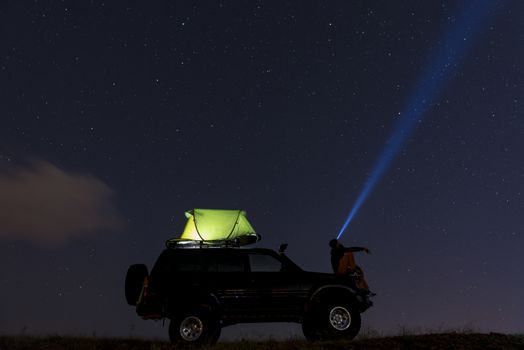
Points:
[357,249]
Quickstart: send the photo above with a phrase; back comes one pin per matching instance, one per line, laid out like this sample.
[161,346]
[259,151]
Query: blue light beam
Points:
[451,48]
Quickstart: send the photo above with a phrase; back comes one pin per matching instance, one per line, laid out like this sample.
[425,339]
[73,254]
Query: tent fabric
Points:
[217,224]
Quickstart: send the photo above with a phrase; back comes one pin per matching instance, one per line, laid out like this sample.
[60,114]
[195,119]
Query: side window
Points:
[175,262]
[264,263]
[186,263]
[226,263]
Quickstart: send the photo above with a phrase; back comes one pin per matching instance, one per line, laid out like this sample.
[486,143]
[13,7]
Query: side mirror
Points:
[282,248]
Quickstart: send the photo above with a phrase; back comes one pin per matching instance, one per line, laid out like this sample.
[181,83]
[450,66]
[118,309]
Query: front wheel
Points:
[194,329]
[331,321]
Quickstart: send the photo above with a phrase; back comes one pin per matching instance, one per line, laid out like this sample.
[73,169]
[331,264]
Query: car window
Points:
[264,263]
[187,263]
[226,263]
[174,262]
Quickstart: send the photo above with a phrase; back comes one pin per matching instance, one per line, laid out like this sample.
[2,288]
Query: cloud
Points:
[44,204]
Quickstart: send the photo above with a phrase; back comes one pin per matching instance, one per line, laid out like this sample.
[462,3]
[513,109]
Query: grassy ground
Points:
[425,341]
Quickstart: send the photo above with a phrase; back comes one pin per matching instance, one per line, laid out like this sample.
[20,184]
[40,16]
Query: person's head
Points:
[333,243]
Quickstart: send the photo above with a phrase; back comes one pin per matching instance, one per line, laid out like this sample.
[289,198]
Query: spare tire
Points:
[134,281]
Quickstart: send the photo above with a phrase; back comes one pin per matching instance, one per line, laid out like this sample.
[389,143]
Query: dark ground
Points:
[424,341]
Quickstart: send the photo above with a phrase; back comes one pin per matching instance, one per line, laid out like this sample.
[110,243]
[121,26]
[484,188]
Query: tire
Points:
[194,329]
[134,281]
[331,321]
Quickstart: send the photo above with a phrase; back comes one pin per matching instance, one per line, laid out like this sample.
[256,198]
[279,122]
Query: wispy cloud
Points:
[45,204]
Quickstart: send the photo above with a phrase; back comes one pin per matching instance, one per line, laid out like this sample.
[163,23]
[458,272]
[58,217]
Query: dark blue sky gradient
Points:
[147,110]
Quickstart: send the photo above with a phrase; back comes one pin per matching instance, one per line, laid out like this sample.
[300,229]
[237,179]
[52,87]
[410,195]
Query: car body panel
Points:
[239,285]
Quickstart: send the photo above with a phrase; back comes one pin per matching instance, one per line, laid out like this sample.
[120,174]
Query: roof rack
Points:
[184,243]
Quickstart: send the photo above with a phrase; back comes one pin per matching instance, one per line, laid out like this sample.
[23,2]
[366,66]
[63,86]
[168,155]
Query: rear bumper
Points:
[150,308]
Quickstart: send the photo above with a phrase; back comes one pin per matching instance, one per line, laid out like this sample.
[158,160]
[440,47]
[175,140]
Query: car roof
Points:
[210,250]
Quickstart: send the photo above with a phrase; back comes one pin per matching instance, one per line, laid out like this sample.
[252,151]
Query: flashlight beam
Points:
[453,47]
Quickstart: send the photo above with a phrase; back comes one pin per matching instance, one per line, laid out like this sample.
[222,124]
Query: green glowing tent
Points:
[212,225]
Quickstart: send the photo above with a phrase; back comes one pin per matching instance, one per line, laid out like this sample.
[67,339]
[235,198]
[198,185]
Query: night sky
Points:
[118,116]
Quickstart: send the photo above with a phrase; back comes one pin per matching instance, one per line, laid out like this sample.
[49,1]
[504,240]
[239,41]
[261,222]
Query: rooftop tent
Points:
[218,225]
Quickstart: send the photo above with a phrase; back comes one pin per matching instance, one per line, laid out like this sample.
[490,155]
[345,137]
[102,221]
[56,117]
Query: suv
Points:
[204,289]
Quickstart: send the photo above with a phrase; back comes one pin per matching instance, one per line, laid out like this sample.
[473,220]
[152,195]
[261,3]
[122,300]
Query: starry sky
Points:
[118,116]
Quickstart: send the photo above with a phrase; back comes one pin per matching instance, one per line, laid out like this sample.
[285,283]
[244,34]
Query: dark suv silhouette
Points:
[203,290]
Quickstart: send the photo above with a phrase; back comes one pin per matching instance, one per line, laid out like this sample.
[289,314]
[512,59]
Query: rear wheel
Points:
[194,329]
[331,321]
[134,281]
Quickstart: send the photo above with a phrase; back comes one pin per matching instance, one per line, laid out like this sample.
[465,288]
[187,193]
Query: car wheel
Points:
[331,321]
[195,328]
[134,281]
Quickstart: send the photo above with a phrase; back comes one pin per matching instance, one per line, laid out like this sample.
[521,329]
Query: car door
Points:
[226,278]
[278,289]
